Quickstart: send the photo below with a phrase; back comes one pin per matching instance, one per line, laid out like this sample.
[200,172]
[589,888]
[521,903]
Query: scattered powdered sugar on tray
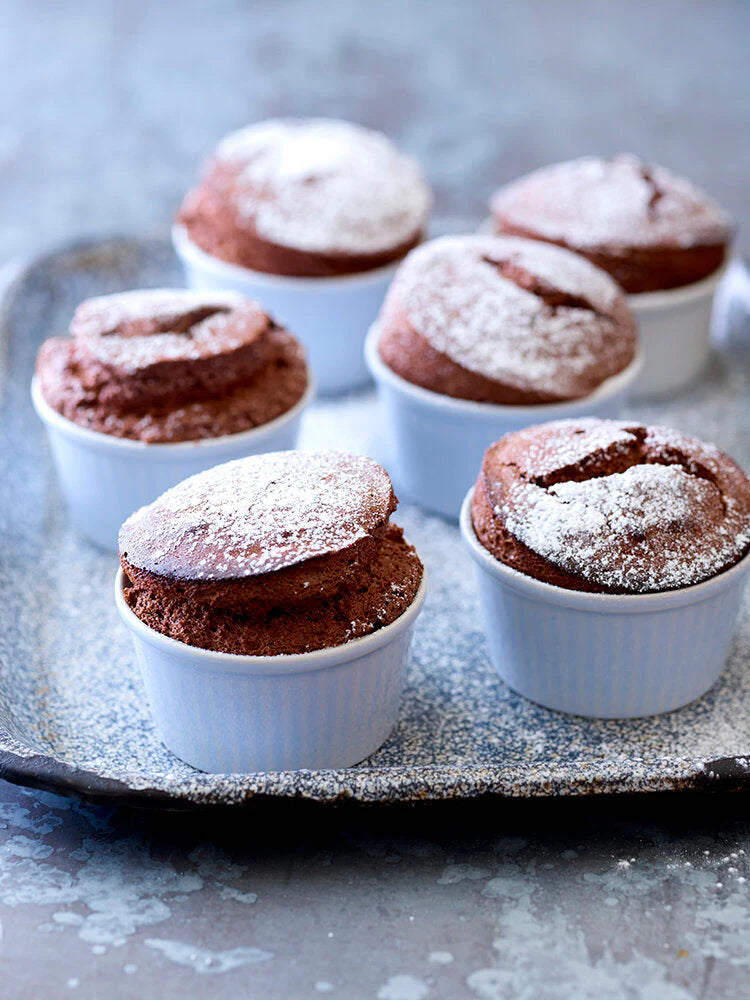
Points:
[134,330]
[73,710]
[258,515]
[592,202]
[326,186]
[456,297]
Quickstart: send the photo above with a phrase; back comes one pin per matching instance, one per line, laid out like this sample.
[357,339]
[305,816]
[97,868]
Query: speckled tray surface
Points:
[73,714]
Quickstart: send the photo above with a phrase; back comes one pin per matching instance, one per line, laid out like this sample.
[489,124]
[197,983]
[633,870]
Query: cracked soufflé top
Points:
[649,228]
[504,320]
[284,552]
[611,507]
[309,197]
[168,365]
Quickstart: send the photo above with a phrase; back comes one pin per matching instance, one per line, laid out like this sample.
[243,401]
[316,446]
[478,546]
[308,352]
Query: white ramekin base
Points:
[675,334]
[603,655]
[435,444]
[227,714]
[104,479]
[331,316]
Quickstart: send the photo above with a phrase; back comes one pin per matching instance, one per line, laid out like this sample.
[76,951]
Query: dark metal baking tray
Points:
[73,715]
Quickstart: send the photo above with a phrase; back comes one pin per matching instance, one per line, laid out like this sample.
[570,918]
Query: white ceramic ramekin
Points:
[674,327]
[610,656]
[330,316]
[105,478]
[226,713]
[435,444]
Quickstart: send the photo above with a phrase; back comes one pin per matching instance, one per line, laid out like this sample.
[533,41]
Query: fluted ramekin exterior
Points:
[105,478]
[674,327]
[609,656]
[331,316]
[224,713]
[435,444]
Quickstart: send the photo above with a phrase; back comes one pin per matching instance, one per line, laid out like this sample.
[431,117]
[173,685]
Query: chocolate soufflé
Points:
[649,228]
[168,365]
[285,552]
[504,320]
[307,198]
[611,507]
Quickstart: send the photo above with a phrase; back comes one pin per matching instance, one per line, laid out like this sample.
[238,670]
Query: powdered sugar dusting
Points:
[650,527]
[592,202]
[135,330]
[589,437]
[456,298]
[258,515]
[326,186]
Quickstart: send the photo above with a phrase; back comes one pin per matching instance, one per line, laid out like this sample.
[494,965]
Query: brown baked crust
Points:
[645,270]
[424,289]
[666,233]
[213,224]
[656,510]
[374,216]
[133,379]
[353,596]
[279,553]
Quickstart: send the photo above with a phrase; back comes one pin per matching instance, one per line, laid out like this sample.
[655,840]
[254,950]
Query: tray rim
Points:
[49,773]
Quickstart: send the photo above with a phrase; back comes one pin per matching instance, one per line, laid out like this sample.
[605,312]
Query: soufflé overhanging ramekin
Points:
[271,604]
[611,560]
[481,335]
[310,216]
[155,386]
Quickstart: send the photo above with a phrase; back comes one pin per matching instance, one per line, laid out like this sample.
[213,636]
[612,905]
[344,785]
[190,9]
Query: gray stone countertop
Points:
[107,108]
[587,900]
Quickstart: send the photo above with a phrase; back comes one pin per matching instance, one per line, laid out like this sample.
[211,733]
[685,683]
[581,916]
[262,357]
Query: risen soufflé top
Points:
[308,197]
[648,227]
[601,505]
[285,552]
[169,365]
[504,320]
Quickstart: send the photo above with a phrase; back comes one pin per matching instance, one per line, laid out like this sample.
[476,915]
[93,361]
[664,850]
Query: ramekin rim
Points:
[540,411]
[186,248]
[661,296]
[49,415]
[281,664]
[662,600]
[665,297]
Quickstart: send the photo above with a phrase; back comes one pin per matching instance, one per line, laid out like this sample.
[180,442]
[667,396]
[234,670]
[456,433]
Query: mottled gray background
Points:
[105,110]
[107,107]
